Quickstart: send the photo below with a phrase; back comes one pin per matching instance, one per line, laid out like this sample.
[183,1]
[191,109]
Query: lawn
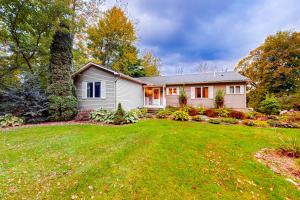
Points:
[153,159]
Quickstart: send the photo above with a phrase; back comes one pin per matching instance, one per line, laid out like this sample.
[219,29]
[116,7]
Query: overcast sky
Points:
[218,32]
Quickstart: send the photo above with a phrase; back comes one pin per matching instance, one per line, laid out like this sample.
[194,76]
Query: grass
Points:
[153,159]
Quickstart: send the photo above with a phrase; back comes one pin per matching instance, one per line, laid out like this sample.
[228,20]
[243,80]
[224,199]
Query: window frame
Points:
[94,89]
[201,92]
[172,89]
[235,89]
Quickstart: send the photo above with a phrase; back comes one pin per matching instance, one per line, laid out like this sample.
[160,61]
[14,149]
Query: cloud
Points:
[185,33]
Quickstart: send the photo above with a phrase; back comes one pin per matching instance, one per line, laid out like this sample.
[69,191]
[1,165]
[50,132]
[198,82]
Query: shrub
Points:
[171,108]
[219,99]
[163,113]
[250,115]
[270,105]
[27,101]
[248,122]
[289,146]
[292,116]
[223,112]
[230,120]
[201,110]
[211,113]
[62,108]
[280,124]
[214,121]
[185,108]
[237,114]
[182,98]
[180,116]
[193,111]
[290,102]
[131,117]
[83,115]
[10,120]
[197,118]
[260,123]
[141,113]
[102,115]
[119,116]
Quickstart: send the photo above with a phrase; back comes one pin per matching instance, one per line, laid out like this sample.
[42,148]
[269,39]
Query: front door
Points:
[156,96]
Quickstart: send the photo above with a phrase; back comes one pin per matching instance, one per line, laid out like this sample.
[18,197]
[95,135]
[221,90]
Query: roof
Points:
[92,64]
[207,77]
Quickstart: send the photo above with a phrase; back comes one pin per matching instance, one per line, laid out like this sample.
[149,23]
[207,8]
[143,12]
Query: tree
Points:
[219,99]
[273,67]
[62,102]
[111,40]
[150,64]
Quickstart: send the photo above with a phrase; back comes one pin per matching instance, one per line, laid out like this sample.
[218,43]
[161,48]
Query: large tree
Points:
[273,67]
[111,41]
[62,102]
[150,64]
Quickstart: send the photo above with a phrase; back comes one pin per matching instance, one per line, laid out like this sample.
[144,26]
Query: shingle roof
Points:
[209,77]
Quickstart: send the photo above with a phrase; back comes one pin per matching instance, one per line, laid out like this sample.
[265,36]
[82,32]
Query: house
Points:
[99,87]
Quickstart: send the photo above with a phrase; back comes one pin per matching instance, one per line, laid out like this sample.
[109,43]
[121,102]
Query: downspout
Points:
[118,77]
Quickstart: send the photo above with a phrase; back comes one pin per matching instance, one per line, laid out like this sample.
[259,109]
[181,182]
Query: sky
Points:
[218,33]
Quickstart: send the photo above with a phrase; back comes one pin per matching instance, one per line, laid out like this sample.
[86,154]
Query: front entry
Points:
[156,96]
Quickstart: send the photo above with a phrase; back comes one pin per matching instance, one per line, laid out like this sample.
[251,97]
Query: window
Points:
[172,90]
[198,92]
[201,92]
[90,90]
[94,89]
[238,89]
[205,92]
[97,89]
[231,89]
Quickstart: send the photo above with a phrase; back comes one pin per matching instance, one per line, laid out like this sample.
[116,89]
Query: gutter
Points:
[116,80]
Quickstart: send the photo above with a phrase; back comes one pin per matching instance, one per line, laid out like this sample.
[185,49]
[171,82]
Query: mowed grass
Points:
[153,159]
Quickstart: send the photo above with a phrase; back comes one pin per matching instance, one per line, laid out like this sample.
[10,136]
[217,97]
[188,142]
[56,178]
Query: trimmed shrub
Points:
[201,110]
[83,115]
[270,105]
[10,120]
[223,112]
[163,114]
[214,121]
[211,113]
[197,118]
[180,116]
[237,114]
[62,108]
[193,111]
[219,99]
[182,98]
[230,120]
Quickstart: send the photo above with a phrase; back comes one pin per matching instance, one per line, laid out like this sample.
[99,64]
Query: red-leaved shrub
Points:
[83,115]
[237,114]
[193,111]
[211,113]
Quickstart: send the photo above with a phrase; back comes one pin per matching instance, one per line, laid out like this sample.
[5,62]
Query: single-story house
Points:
[100,87]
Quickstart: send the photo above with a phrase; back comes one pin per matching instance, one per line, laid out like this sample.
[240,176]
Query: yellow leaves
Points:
[150,64]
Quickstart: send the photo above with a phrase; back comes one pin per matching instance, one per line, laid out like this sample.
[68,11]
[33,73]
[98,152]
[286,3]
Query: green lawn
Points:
[153,159]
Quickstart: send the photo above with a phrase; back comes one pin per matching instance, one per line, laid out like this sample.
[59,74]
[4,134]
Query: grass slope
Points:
[153,159]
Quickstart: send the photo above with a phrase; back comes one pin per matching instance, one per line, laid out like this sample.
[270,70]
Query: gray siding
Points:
[129,94]
[90,75]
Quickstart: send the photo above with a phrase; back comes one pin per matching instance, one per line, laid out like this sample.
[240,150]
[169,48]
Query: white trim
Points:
[201,87]
[193,93]
[84,90]
[172,88]
[102,89]
[158,96]
[228,91]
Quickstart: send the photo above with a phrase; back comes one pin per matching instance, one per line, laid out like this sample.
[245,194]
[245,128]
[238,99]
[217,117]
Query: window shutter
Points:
[210,92]
[192,92]
[227,89]
[84,90]
[242,90]
[167,91]
[177,90]
[103,89]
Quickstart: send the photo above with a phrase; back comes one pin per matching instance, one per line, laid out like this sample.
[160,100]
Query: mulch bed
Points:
[280,163]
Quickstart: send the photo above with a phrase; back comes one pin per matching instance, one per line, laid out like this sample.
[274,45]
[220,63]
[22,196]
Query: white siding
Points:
[129,94]
[94,74]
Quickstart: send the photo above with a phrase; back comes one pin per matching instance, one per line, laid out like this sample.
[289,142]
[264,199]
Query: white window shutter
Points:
[167,91]
[192,92]
[227,89]
[84,90]
[177,90]
[103,89]
[242,89]
[210,92]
